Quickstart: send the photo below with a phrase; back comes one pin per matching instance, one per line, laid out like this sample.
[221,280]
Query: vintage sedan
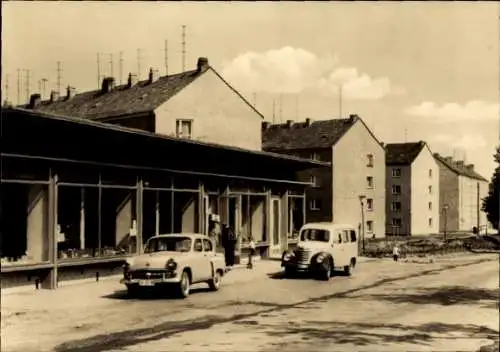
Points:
[176,260]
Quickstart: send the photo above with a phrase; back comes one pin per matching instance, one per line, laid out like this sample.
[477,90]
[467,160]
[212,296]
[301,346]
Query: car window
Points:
[207,244]
[198,247]
[338,237]
[345,236]
[353,236]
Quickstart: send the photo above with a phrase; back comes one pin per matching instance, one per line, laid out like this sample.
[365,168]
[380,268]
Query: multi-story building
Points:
[354,187]
[412,191]
[461,190]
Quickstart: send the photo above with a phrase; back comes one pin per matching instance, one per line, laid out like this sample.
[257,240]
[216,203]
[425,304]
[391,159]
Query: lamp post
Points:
[445,211]
[361,198]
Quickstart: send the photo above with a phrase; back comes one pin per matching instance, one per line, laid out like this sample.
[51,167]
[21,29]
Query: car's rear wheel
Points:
[184,285]
[326,272]
[215,282]
[349,269]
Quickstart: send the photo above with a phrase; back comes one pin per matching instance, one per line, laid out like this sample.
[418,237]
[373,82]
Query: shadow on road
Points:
[152,294]
[446,296]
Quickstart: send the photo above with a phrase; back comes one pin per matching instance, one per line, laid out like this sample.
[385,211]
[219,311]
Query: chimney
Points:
[70,92]
[35,100]
[265,125]
[54,96]
[308,122]
[153,75]
[382,144]
[353,117]
[202,64]
[289,123]
[448,159]
[470,167]
[459,163]
[132,80]
[436,155]
[108,84]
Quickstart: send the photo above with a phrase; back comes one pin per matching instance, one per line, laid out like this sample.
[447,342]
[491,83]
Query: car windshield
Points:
[315,235]
[172,244]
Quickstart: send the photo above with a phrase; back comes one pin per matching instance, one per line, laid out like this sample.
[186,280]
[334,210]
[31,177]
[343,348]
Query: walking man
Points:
[251,246]
[395,252]
[229,244]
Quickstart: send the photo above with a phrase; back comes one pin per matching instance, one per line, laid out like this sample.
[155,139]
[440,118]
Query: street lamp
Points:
[445,211]
[361,198]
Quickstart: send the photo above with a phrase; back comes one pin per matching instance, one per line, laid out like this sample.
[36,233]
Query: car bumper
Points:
[151,282]
[297,266]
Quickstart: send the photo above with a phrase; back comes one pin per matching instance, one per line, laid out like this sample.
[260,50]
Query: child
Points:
[395,252]
[251,245]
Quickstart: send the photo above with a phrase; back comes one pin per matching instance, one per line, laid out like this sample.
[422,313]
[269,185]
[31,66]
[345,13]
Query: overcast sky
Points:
[413,71]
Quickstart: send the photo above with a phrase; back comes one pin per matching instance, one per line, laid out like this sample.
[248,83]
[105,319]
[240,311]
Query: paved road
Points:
[450,305]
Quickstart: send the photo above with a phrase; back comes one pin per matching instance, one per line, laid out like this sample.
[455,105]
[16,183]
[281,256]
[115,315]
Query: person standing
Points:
[395,252]
[229,244]
[251,246]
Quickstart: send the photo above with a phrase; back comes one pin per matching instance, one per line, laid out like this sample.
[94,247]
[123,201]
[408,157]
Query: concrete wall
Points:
[449,195]
[349,179]
[37,223]
[421,179]
[219,115]
[405,181]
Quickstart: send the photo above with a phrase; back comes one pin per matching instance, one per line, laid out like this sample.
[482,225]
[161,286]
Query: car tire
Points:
[290,272]
[349,269]
[184,285]
[326,272]
[215,282]
[132,291]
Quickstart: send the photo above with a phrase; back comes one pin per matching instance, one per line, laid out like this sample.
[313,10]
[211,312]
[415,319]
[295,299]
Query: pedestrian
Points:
[229,244]
[251,246]
[395,252]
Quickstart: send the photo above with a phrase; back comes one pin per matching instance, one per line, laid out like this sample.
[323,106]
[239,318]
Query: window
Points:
[396,189]
[313,180]
[369,182]
[315,235]
[396,173]
[353,236]
[430,205]
[198,247]
[430,222]
[207,245]
[369,226]
[396,206]
[314,204]
[430,189]
[345,236]
[183,128]
[396,222]
[430,172]
[369,204]
[369,158]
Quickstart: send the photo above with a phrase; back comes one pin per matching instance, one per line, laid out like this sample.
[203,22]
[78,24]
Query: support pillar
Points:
[50,281]
[139,208]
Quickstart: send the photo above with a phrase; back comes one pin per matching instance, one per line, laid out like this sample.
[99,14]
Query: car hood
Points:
[312,245]
[155,260]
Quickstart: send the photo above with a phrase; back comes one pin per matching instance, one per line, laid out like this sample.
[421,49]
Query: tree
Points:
[492,200]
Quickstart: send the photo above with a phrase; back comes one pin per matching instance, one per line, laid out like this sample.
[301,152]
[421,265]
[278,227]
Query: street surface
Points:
[448,305]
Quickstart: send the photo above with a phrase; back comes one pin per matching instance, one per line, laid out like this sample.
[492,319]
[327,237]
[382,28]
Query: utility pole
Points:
[361,198]
[111,65]
[59,77]
[183,48]
[478,213]
[44,82]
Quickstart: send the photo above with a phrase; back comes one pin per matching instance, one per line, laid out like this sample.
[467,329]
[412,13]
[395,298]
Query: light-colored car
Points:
[322,248]
[177,260]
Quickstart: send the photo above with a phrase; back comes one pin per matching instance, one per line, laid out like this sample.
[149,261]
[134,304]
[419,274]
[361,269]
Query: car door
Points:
[208,254]
[336,247]
[197,261]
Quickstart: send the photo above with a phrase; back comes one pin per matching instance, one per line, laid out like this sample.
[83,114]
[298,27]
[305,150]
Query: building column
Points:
[201,208]
[139,210]
[50,281]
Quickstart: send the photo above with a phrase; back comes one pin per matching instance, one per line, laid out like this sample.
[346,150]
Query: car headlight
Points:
[320,258]
[288,256]
[170,264]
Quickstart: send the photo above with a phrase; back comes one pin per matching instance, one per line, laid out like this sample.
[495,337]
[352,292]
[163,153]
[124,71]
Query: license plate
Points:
[146,283]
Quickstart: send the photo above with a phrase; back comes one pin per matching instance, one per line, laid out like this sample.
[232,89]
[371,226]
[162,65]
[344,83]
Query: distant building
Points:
[412,191]
[358,169]
[461,190]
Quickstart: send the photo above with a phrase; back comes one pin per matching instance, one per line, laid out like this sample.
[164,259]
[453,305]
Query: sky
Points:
[411,70]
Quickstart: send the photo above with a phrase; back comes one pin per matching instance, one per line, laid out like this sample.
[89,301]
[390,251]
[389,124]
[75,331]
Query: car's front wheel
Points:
[132,291]
[184,285]
[215,282]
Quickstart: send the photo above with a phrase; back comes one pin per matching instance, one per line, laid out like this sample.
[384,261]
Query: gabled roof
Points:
[298,136]
[402,153]
[143,97]
[461,170]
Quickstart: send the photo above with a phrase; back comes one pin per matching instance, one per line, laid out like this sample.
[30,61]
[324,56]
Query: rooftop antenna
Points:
[7,87]
[166,57]
[27,84]
[183,48]
[139,64]
[18,86]
[121,67]
[281,107]
[274,111]
[98,70]
[111,65]
[44,82]
[59,77]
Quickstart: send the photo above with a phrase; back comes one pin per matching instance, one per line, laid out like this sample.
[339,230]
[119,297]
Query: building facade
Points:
[353,189]
[462,190]
[412,190]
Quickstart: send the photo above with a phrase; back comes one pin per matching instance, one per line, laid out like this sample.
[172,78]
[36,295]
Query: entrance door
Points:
[275,217]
